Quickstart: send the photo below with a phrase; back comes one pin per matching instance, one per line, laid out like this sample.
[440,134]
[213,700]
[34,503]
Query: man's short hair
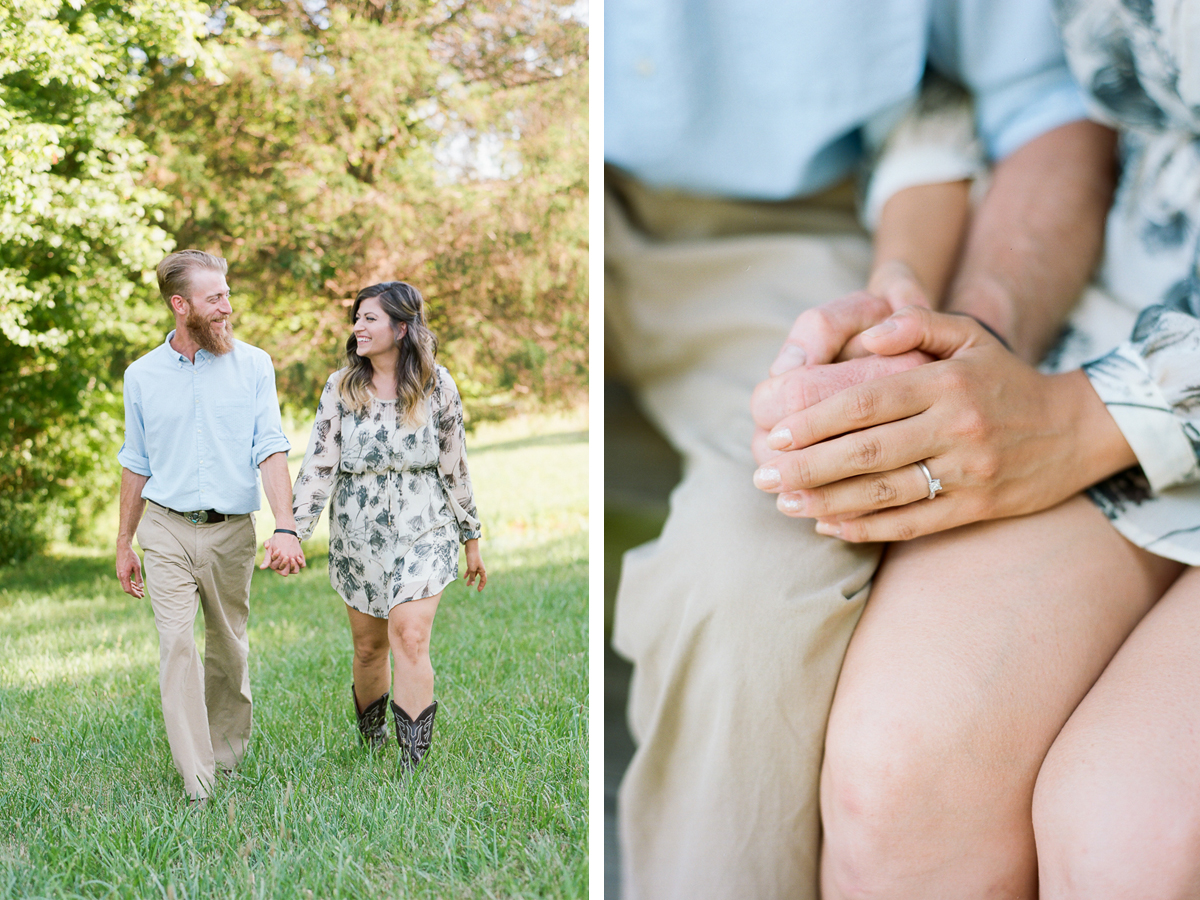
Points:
[175,271]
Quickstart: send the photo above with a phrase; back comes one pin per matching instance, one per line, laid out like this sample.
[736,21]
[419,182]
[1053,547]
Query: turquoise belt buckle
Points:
[198,517]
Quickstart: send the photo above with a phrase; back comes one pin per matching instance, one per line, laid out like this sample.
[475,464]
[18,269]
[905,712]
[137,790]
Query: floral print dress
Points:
[400,496]
[1139,62]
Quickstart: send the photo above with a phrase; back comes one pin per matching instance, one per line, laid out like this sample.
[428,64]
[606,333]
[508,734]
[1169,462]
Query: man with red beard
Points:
[201,421]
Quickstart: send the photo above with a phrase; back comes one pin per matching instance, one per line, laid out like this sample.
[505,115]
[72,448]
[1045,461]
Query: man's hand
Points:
[130,507]
[829,333]
[129,572]
[1003,439]
[824,352]
[283,554]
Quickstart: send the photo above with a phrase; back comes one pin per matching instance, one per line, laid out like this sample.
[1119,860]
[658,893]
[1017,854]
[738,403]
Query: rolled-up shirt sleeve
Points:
[132,454]
[269,438]
[1010,56]
[1151,386]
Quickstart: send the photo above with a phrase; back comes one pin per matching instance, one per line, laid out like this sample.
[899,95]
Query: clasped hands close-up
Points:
[852,436]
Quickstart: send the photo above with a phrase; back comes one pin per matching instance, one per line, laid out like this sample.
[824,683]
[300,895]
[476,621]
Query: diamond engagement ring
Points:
[935,484]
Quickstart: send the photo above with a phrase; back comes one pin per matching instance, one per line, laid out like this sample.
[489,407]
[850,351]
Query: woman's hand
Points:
[1002,438]
[475,564]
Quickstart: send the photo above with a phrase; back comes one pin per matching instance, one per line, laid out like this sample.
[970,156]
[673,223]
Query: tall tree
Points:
[77,243]
[440,143]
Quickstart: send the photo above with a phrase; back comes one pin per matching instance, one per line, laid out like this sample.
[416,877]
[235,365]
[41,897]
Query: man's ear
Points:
[179,304]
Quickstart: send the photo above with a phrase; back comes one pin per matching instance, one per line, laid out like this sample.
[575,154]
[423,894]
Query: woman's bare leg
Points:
[1117,806]
[410,626]
[370,661]
[974,648]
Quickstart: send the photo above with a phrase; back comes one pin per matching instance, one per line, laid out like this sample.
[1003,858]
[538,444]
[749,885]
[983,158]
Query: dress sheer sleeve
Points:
[1151,385]
[314,484]
[452,457]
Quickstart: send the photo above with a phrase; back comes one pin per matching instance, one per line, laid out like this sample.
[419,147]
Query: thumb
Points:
[266,563]
[941,335]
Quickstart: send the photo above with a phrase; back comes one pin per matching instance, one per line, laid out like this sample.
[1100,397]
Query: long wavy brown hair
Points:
[418,350]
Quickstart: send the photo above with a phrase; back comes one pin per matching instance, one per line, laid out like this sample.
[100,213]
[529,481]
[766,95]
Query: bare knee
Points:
[409,641]
[1102,838]
[904,808]
[370,652]
[869,810]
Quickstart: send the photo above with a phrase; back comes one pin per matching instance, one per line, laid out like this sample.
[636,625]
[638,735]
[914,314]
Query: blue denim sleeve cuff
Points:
[1012,116]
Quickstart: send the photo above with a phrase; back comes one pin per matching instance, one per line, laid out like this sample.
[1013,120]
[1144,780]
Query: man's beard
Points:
[203,333]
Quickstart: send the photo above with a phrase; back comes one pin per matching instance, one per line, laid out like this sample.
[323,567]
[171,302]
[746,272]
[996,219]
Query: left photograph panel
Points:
[294,449]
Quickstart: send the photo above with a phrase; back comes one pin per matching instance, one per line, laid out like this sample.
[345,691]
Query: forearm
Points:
[277,485]
[922,228]
[1037,236]
[131,506]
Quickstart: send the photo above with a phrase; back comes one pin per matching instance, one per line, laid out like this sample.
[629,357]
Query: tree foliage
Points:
[76,237]
[320,148]
[363,142]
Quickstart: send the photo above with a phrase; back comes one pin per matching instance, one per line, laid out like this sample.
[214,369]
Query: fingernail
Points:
[780,439]
[885,327]
[790,357]
[829,529]
[791,504]
[766,477]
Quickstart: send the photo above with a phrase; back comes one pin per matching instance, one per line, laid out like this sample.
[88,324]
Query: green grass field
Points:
[90,803]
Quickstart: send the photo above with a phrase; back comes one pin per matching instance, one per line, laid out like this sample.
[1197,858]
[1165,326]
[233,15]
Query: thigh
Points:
[736,618]
[973,650]
[1117,808]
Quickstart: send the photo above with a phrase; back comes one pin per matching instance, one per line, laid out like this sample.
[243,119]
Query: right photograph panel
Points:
[902,450]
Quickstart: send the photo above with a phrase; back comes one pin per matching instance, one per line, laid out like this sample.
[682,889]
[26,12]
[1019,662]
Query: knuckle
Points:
[881,491]
[799,470]
[906,530]
[862,405]
[865,452]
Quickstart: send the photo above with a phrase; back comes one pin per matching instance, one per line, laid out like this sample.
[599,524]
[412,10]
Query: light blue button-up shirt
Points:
[200,430]
[771,99]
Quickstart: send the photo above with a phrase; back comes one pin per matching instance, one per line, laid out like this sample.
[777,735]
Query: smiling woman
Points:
[388,451]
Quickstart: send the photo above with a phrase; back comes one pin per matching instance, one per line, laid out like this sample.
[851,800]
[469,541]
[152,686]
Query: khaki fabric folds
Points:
[736,618]
[206,706]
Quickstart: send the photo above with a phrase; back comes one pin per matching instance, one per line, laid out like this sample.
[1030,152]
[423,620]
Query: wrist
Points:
[291,531]
[988,302]
[1103,450]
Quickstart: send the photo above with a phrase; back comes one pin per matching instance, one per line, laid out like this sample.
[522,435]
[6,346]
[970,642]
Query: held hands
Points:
[1003,438]
[129,572]
[831,334]
[475,564]
[283,554]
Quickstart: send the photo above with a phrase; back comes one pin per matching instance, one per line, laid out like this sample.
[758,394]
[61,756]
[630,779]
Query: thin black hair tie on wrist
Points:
[286,531]
[986,327]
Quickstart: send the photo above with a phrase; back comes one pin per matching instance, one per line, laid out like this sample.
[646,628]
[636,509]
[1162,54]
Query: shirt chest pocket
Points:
[232,424]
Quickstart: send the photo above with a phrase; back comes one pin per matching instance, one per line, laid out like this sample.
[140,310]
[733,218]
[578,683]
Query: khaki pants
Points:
[736,618]
[206,707]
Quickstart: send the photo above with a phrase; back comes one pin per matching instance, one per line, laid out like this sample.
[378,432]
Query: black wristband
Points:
[286,531]
[986,327]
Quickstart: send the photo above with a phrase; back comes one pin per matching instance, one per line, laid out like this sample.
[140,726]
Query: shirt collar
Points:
[202,355]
